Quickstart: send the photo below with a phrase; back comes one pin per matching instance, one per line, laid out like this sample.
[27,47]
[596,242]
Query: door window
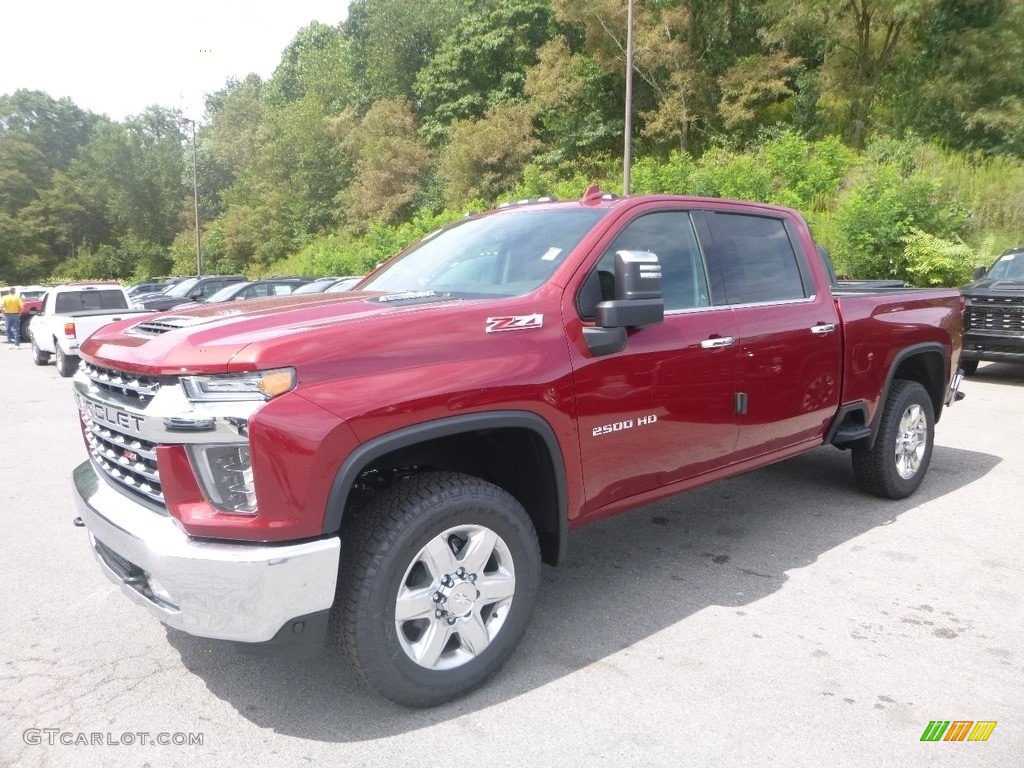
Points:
[668,235]
[757,259]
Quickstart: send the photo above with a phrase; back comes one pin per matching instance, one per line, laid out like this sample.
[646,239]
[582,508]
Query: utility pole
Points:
[195,191]
[627,160]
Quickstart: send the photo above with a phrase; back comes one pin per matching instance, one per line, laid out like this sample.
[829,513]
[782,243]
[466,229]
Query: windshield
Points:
[505,254]
[318,287]
[181,289]
[344,285]
[31,295]
[227,292]
[1010,266]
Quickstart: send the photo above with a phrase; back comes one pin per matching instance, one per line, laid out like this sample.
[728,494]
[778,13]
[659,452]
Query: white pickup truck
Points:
[70,313]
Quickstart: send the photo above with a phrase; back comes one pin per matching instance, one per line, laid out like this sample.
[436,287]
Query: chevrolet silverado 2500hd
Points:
[389,467]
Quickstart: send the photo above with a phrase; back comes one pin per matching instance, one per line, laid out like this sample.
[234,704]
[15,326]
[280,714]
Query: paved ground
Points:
[782,619]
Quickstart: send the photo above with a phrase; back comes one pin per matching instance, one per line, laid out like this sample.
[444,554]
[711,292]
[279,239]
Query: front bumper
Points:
[228,591]
[993,347]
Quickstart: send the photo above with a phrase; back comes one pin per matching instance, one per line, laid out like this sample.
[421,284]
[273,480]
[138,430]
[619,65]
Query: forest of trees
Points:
[895,126]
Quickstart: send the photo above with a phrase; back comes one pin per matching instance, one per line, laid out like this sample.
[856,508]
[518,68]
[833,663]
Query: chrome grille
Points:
[996,314]
[125,459]
[140,388]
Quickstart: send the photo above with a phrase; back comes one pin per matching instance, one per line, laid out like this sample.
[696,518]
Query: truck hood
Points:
[211,338]
[990,287]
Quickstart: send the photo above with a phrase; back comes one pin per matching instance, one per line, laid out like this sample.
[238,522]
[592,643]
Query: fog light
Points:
[225,473]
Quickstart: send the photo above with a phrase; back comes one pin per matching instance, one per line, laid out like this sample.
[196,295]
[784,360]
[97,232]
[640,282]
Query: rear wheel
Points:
[896,465]
[970,367]
[439,575]
[66,364]
[38,356]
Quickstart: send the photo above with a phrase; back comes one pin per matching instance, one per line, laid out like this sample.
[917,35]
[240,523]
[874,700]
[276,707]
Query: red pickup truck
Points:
[389,468]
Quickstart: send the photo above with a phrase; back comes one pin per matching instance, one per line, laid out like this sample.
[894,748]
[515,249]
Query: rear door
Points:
[789,343]
[661,410]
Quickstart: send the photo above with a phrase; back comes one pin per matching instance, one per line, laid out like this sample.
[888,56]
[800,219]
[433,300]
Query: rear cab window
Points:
[89,300]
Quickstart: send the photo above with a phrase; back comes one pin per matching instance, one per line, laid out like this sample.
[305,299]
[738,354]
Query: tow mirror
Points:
[638,302]
[978,273]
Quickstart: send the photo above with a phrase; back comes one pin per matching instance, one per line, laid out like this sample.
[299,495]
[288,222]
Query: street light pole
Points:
[627,161]
[195,193]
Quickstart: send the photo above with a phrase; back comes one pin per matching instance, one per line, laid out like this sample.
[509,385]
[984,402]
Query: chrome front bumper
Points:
[240,592]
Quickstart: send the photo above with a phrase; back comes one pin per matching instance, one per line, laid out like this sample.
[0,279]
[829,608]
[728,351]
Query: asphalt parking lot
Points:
[782,618]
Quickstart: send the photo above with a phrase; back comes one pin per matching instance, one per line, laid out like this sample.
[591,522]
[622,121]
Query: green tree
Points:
[482,63]
[390,161]
[391,40]
[57,128]
[857,43]
[484,158]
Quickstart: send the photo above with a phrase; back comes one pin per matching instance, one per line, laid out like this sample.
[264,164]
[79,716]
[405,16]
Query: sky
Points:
[116,57]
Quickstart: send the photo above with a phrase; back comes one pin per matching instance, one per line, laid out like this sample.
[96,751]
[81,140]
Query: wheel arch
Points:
[515,450]
[924,363]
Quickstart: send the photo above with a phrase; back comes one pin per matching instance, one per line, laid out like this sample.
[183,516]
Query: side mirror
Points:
[638,302]
[978,273]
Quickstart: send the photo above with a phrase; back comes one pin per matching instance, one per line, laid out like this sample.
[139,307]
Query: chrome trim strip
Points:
[228,591]
[168,418]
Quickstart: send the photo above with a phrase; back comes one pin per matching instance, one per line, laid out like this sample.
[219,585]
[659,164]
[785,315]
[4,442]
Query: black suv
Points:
[192,289]
[994,323]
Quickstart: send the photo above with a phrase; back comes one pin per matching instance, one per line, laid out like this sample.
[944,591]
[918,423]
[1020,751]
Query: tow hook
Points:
[78,523]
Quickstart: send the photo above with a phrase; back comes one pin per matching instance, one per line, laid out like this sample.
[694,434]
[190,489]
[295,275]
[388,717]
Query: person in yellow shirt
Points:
[12,305]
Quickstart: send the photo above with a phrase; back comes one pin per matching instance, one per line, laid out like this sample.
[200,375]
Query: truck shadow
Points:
[729,544]
[999,373]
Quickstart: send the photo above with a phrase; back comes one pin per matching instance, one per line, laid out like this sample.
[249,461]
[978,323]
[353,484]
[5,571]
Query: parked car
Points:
[193,289]
[343,285]
[257,289]
[388,469]
[322,284]
[69,314]
[994,323]
[143,289]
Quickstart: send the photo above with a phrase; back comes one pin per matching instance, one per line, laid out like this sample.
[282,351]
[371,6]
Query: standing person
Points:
[12,315]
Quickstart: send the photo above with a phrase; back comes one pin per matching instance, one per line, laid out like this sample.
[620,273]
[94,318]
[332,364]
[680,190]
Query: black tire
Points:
[970,367]
[385,547]
[38,356]
[66,364]
[26,337]
[878,469]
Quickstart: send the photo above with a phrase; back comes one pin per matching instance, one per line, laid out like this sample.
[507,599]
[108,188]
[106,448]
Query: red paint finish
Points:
[656,418]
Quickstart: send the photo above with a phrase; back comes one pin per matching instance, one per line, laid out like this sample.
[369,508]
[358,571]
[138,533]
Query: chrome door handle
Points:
[721,341]
[823,328]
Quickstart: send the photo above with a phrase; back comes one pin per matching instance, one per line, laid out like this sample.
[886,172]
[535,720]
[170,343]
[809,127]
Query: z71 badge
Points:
[514,323]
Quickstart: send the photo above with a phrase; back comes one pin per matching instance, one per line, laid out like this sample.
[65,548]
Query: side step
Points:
[850,433]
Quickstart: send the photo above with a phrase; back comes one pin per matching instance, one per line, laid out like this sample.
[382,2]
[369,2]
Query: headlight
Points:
[257,385]
[225,472]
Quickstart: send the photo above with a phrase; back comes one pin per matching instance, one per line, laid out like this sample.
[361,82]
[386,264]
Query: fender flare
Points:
[904,354]
[384,444]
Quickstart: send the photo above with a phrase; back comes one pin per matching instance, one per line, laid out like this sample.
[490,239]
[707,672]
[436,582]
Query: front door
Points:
[661,410]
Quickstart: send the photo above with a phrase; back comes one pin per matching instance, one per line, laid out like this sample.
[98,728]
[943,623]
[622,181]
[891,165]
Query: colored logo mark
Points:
[958,730]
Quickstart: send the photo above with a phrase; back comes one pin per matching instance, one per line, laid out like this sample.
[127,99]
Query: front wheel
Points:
[895,466]
[438,579]
[970,367]
[66,364]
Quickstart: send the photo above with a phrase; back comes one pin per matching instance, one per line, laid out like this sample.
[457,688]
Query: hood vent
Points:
[1008,285]
[161,325]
